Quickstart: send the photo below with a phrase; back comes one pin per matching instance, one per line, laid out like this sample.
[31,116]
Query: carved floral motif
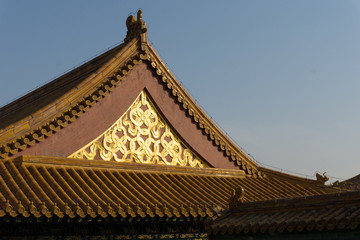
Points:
[141,135]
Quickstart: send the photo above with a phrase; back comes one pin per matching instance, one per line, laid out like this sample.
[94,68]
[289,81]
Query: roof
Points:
[84,111]
[327,212]
[46,111]
[34,186]
[349,184]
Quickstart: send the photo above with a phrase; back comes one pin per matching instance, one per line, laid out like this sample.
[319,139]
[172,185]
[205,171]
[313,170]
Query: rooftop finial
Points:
[136,27]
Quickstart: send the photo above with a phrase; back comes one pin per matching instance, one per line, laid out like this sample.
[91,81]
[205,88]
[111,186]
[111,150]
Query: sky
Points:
[280,77]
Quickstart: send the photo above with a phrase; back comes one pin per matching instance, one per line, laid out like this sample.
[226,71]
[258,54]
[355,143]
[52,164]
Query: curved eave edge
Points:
[144,53]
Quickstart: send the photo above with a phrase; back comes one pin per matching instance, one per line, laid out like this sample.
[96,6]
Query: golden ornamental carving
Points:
[141,135]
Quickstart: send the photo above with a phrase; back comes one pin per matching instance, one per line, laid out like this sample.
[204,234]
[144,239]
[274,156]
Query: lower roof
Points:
[56,187]
[327,212]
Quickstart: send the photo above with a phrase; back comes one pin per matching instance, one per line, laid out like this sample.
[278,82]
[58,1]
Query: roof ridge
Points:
[311,201]
[84,163]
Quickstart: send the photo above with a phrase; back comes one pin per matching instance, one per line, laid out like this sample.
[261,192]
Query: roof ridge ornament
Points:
[237,197]
[136,28]
[321,179]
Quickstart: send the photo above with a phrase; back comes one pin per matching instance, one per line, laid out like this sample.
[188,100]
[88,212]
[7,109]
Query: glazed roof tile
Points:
[324,212]
[59,187]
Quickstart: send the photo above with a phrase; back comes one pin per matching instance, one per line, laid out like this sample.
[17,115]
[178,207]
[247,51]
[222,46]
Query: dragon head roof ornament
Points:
[321,179]
[136,28]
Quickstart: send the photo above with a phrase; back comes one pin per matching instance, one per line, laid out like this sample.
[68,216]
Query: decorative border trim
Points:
[131,211]
[178,236]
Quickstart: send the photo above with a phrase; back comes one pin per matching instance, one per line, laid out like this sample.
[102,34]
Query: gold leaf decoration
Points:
[141,135]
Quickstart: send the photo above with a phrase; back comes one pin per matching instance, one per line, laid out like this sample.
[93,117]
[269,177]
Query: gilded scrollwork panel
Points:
[141,135]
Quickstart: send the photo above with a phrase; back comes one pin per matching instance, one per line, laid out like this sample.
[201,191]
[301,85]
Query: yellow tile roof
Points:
[59,187]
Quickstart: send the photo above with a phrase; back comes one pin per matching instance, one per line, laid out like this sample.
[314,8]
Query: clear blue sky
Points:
[281,77]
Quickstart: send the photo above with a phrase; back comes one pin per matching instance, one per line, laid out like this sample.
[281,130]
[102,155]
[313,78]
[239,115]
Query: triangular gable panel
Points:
[80,106]
[141,135]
